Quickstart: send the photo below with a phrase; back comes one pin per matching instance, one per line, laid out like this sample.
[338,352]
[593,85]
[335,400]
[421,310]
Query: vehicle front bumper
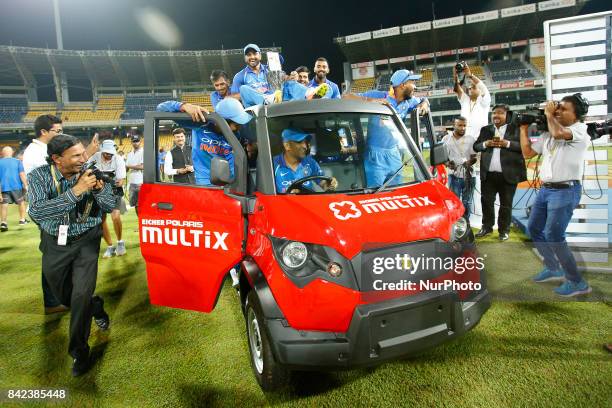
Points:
[379,331]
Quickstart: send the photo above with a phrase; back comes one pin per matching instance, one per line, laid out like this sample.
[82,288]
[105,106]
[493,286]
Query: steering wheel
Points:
[299,183]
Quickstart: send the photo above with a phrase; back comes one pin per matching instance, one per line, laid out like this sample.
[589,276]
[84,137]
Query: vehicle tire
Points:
[269,373]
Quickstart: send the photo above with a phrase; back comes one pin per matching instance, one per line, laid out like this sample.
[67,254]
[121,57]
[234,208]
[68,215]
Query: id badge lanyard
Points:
[62,235]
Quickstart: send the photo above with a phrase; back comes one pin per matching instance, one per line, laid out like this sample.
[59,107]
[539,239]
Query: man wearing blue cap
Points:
[295,163]
[207,139]
[401,97]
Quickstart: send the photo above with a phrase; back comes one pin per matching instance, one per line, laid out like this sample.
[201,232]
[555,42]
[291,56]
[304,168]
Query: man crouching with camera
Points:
[563,148]
[67,205]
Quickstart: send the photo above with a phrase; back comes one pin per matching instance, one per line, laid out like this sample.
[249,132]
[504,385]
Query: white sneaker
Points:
[235,279]
[109,253]
[121,248]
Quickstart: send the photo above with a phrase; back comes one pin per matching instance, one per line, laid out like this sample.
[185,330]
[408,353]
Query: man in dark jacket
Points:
[502,167]
[178,162]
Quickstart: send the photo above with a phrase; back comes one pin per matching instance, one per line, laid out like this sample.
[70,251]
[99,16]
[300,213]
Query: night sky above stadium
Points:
[304,29]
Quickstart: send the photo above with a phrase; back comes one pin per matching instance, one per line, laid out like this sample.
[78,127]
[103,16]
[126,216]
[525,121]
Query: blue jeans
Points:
[464,191]
[550,214]
[292,90]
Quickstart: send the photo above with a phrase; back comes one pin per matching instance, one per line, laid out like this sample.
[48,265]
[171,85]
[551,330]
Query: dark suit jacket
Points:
[512,162]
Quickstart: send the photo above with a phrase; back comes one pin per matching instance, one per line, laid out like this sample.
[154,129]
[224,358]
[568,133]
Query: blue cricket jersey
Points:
[333,93]
[258,82]
[205,144]
[402,108]
[215,98]
[284,175]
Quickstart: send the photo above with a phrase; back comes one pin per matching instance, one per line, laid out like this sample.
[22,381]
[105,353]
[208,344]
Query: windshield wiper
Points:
[386,183]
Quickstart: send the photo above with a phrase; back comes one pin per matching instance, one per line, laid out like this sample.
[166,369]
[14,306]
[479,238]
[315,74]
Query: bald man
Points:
[12,186]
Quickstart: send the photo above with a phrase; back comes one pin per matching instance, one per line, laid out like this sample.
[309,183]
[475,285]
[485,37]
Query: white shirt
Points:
[459,151]
[116,164]
[495,164]
[476,113]
[563,160]
[35,155]
[168,169]
[134,159]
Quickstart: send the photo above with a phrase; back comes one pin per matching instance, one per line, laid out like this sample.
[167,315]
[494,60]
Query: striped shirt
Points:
[50,209]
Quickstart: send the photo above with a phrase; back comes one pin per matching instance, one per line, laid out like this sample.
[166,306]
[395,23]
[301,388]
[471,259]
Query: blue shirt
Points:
[334,92]
[259,81]
[205,142]
[215,98]
[402,108]
[10,168]
[284,175]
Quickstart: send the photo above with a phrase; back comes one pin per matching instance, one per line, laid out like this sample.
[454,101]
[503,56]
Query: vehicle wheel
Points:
[269,374]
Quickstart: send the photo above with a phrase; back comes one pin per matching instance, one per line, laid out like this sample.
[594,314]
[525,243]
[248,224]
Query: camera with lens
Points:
[533,114]
[599,129]
[460,66]
[105,176]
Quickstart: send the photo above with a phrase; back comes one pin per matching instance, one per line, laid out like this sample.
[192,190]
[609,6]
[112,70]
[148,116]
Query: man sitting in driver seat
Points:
[295,163]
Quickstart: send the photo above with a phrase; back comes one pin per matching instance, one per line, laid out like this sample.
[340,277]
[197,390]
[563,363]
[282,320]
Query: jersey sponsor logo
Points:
[182,233]
[347,209]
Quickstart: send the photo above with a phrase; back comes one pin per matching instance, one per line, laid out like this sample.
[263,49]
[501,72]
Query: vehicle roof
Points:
[303,107]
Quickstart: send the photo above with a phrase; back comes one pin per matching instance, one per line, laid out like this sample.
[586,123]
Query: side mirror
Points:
[439,154]
[220,173]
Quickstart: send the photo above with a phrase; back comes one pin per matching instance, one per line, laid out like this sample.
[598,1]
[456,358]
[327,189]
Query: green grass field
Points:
[523,354]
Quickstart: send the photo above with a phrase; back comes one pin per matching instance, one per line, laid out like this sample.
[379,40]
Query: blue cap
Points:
[230,108]
[251,46]
[294,135]
[403,75]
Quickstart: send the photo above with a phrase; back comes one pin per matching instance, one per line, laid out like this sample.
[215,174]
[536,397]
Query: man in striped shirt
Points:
[68,205]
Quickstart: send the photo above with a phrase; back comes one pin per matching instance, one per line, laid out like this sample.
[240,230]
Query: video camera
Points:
[105,176]
[533,114]
[599,129]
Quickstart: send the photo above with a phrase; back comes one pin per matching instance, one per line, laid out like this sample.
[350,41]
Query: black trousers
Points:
[71,272]
[496,184]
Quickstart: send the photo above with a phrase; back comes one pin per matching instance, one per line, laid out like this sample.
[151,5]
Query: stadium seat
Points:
[12,108]
[509,70]
[202,99]
[362,85]
[137,104]
[539,63]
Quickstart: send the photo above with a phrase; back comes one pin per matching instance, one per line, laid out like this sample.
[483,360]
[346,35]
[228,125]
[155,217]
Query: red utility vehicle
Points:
[324,276]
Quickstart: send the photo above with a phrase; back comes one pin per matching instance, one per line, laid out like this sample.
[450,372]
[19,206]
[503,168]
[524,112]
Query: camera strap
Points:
[88,205]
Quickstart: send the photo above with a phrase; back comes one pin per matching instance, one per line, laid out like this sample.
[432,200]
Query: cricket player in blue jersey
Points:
[206,139]
[321,70]
[251,83]
[220,81]
[384,148]
[295,163]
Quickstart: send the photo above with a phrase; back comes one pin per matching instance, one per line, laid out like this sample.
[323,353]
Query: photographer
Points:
[563,148]
[68,207]
[111,164]
[474,105]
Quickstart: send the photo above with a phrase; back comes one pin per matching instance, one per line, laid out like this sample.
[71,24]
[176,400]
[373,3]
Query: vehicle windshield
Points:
[341,152]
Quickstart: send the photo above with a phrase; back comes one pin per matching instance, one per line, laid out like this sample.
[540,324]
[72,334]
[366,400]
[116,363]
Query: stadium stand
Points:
[526,97]
[509,70]
[427,80]
[202,99]
[444,104]
[137,104]
[12,108]
[362,85]
[40,108]
[445,77]
[384,82]
[539,63]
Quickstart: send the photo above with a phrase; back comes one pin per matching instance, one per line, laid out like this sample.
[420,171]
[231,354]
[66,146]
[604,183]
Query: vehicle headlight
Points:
[459,229]
[294,254]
